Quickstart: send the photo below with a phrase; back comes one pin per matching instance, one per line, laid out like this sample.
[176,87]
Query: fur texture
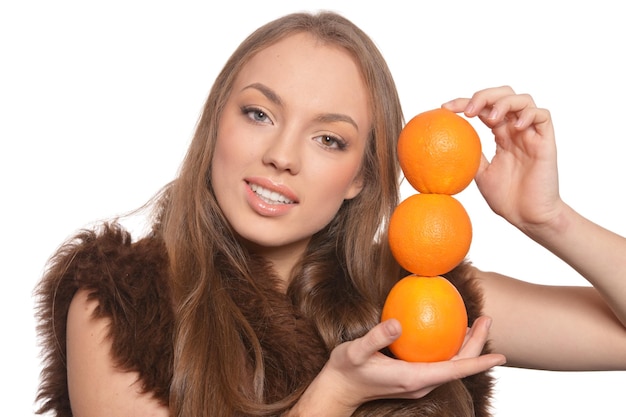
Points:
[130,282]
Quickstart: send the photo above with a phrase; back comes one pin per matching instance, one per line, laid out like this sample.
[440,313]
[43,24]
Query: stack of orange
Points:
[430,233]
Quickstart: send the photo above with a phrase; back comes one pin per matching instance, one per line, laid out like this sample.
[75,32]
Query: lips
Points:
[269,196]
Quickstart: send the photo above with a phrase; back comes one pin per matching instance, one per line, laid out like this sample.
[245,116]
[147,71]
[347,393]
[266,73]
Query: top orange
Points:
[439,152]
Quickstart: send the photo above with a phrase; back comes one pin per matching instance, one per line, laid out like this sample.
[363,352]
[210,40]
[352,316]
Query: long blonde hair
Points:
[341,281]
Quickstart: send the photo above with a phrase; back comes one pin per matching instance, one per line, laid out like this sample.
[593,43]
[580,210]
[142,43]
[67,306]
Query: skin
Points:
[297,127]
[534,326]
[96,387]
[531,325]
[292,124]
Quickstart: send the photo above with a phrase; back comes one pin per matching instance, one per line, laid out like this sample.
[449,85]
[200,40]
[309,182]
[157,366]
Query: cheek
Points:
[348,182]
[226,156]
[333,189]
[230,148]
[336,185]
[225,145]
[223,155]
[218,164]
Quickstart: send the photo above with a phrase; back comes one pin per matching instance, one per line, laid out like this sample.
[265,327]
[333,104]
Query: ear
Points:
[355,188]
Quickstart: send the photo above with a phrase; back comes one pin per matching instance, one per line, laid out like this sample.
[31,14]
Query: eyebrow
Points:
[266,91]
[323,118]
[336,117]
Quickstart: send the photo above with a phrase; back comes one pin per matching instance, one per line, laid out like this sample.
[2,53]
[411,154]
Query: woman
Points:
[258,291]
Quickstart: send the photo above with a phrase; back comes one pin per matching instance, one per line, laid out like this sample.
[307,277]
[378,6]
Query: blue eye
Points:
[256,115]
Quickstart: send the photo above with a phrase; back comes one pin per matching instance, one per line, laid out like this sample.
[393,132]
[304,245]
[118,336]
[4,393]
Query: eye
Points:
[256,115]
[330,141]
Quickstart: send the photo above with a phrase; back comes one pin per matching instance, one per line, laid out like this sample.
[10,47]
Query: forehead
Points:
[302,67]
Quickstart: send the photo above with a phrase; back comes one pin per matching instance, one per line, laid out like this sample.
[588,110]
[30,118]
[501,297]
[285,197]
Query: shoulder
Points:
[102,286]
[96,385]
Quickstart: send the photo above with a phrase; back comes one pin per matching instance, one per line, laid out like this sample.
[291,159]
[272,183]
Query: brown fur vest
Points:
[130,282]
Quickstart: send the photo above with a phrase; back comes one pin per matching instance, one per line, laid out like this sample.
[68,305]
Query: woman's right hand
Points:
[357,372]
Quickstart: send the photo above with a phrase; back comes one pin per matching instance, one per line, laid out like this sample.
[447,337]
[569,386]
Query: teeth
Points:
[270,197]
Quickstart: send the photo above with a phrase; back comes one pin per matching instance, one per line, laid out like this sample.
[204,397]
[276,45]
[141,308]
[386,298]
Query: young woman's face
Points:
[290,142]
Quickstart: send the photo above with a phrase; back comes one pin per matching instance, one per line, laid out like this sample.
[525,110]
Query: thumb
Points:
[379,337]
[482,167]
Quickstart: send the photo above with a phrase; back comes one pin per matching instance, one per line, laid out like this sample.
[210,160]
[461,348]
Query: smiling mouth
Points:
[270,197]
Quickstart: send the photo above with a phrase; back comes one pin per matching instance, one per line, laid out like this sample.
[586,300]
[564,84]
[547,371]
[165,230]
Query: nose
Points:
[283,152]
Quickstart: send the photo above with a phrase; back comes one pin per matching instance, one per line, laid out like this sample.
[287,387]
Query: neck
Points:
[282,258]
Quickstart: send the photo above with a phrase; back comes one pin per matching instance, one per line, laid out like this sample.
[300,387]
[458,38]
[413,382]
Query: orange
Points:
[433,318]
[429,234]
[439,152]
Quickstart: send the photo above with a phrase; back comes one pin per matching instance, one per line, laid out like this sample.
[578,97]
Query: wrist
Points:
[553,226]
[552,221]
[323,398]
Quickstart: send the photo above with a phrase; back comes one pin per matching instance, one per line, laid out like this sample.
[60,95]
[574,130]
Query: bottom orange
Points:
[433,318]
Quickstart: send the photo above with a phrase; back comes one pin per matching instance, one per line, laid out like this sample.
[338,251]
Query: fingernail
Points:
[488,323]
[469,109]
[393,327]
[493,114]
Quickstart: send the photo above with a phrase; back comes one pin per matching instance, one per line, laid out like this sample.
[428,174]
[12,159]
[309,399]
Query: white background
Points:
[98,102]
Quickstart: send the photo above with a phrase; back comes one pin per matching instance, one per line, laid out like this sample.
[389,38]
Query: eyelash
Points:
[253,112]
[338,143]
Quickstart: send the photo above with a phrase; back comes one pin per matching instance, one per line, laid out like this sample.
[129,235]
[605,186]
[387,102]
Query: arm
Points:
[548,327]
[552,327]
[597,254]
[96,387]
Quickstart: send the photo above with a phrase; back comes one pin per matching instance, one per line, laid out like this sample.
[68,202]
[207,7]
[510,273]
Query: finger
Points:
[484,164]
[510,105]
[457,105]
[441,372]
[506,109]
[379,337]
[462,368]
[539,118]
[476,338]
[481,101]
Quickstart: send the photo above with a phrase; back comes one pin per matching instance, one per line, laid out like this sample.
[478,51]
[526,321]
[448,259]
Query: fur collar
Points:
[130,282]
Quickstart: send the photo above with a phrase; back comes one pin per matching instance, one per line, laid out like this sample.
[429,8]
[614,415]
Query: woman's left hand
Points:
[520,183]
